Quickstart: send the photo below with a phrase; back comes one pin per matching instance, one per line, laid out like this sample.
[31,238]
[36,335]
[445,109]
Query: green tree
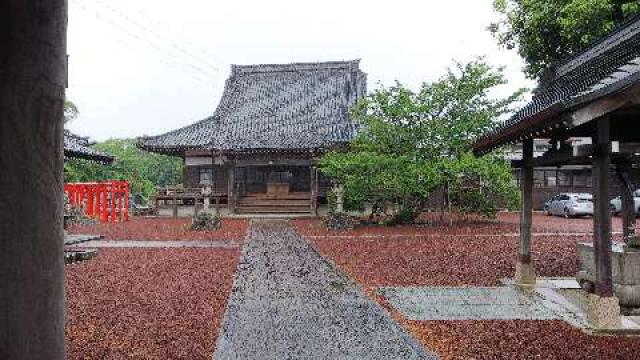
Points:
[71,111]
[413,143]
[545,32]
[144,171]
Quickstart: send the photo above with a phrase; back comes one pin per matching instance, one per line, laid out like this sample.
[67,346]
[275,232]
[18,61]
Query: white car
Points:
[616,203]
[569,205]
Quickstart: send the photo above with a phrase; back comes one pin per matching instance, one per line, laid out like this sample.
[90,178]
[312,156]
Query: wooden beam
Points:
[273,162]
[604,106]
[602,213]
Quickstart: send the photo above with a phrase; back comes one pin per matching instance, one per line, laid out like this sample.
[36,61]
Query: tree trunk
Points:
[32,86]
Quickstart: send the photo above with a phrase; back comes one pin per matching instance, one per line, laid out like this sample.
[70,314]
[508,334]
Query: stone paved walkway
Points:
[157,244]
[287,302]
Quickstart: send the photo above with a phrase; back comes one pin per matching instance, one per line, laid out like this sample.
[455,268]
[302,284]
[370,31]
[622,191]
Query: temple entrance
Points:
[273,189]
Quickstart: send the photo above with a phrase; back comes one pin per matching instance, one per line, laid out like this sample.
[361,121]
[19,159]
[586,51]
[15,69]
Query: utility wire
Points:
[177,60]
[180,37]
[180,41]
[203,63]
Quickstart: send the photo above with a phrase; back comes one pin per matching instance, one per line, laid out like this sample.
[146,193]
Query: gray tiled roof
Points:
[77,147]
[275,107]
[607,66]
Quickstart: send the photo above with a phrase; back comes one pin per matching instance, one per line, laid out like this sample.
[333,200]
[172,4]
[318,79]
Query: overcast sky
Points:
[144,67]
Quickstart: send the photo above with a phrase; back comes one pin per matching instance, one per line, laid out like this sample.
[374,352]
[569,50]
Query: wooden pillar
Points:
[112,191]
[314,189]
[525,272]
[231,196]
[628,205]
[602,209]
[32,92]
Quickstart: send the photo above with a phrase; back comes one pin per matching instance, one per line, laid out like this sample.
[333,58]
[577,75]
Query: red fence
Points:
[106,201]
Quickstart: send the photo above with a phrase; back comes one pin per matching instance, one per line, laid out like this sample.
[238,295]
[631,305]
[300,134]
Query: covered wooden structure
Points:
[78,147]
[593,95]
[258,149]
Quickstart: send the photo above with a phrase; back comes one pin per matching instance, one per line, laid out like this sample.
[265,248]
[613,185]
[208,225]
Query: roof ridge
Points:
[353,65]
[615,37]
[70,134]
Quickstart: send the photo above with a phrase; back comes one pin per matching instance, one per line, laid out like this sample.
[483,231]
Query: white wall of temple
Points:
[203,160]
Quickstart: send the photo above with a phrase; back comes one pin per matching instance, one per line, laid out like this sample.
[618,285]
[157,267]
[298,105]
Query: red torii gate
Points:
[106,201]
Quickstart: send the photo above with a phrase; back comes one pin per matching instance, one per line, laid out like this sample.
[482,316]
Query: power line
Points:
[178,63]
[151,31]
[180,38]
[204,56]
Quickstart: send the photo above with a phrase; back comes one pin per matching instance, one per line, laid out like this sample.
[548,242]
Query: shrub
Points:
[340,222]
[406,215]
[205,222]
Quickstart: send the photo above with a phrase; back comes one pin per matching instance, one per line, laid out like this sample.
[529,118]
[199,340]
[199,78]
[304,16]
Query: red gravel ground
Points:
[147,304]
[506,223]
[163,229]
[446,260]
[470,254]
[512,340]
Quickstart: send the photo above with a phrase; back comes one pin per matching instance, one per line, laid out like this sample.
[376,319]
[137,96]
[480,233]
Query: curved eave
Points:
[543,122]
[102,159]
[164,150]
[537,124]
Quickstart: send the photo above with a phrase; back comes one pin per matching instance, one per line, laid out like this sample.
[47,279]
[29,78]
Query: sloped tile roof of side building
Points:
[78,147]
[606,67]
[300,106]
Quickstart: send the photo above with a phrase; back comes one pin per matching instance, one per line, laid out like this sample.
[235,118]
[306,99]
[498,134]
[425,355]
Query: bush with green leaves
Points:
[340,221]
[413,143]
[205,221]
[406,215]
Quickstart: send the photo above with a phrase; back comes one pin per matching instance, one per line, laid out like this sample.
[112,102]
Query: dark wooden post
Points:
[525,272]
[314,190]
[602,212]
[231,198]
[32,92]
[628,205]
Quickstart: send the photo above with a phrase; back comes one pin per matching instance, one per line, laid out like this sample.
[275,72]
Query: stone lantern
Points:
[338,189]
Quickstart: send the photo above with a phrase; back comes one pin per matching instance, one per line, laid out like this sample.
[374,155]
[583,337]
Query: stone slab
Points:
[71,239]
[481,303]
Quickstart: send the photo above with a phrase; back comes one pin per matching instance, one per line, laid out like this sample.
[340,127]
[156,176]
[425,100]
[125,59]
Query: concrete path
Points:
[156,244]
[287,302]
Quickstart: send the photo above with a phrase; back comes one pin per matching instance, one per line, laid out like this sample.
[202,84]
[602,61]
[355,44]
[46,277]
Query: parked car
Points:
[569,205]
[616,203]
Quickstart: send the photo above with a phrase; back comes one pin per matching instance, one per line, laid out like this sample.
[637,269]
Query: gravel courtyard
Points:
[147,303]
[159,228]
[470,253]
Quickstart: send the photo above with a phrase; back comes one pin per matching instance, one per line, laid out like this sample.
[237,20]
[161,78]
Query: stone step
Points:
[273,202]
[273,209]
[289,196]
